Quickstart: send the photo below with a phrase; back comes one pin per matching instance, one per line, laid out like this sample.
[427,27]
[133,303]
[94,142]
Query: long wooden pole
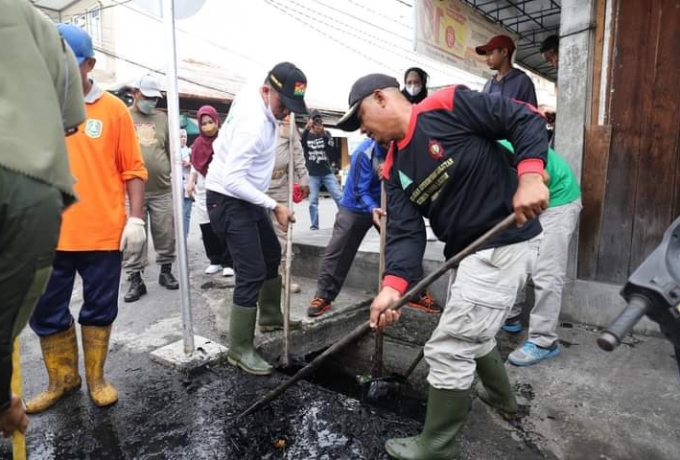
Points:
[364,328]
[285,359]
[379,337]
[18,439]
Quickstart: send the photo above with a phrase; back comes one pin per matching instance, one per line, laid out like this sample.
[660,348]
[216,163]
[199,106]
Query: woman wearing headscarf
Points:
[415,90]
[201,156]
[415,85]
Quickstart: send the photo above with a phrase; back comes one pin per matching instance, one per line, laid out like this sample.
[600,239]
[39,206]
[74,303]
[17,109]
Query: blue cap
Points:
[78,39]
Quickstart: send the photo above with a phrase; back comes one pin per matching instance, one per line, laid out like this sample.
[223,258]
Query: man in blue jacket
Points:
[358,210]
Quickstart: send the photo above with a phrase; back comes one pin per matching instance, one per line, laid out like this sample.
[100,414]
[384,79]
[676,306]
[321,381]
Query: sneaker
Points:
[530,353]
[513,326]
[426,303]
[294,288]
[318,306]
[212,269]
[313,228]
[228,271]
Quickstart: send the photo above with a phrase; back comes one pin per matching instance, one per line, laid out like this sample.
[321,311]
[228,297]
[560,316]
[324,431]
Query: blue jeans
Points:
[188,203]
[100,271]
[331,184]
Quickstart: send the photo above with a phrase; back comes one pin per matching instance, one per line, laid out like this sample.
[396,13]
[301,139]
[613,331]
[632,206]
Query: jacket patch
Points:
[435,149]
[93,128]
[404,180]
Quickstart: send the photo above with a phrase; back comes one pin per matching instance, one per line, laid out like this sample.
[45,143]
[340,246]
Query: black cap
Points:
[363,87]
[315,114]
[291,84]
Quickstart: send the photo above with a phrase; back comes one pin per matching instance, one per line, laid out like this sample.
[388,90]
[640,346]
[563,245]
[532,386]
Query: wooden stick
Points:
[18,439]
[285,359]
[364,328]
[379,337]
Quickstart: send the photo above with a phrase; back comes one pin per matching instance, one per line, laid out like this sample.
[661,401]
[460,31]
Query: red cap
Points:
[499,41]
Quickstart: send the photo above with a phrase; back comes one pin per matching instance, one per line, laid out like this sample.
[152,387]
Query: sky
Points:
[334,42]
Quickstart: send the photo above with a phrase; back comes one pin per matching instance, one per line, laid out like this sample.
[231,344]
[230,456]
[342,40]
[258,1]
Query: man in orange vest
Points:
[106,162]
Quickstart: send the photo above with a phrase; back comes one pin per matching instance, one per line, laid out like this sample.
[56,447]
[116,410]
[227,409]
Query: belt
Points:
[279,173]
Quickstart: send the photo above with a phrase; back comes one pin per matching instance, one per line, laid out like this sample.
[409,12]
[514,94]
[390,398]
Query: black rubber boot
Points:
[137,288]
[166,277]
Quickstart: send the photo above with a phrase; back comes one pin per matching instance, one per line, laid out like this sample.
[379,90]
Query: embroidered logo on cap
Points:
[436,150]
[299,89]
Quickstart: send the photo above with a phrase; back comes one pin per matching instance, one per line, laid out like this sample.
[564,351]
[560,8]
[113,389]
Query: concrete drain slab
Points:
[173,355]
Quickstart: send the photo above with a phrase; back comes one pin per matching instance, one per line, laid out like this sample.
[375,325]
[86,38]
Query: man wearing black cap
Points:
[320,152]
[446,165]
[509,81]
[239,208]
[42,99]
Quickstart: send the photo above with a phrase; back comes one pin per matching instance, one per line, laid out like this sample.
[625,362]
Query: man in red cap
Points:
[509,81]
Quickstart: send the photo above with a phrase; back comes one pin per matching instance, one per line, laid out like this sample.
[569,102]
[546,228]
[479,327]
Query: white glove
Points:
[134,236]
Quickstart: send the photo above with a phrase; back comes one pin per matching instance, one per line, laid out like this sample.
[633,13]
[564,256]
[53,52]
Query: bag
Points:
[297,193]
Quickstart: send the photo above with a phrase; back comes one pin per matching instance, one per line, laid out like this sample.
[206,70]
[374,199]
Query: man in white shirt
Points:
[238,206]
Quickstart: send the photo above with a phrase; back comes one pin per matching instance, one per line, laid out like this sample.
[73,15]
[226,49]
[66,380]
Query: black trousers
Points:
[251,240]
[215,247]
[349,230]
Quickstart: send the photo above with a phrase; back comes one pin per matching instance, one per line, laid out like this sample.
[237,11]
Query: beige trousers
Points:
[480,298]
[158,212]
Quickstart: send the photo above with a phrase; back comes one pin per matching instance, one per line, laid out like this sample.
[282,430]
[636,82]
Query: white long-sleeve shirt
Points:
[245,151]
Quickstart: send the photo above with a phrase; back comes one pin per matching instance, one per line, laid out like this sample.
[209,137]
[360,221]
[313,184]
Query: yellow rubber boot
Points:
[95,349]
[60,353]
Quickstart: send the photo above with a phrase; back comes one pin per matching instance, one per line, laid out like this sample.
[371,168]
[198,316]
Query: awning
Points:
[532,20]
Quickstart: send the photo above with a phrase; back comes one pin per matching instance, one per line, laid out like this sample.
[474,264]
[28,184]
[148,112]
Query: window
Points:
[94,24]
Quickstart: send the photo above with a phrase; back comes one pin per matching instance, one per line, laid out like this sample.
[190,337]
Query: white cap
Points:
[149,86]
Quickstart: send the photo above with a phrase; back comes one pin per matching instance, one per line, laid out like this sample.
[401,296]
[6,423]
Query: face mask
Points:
[413,90]
[209,129]
[146,106]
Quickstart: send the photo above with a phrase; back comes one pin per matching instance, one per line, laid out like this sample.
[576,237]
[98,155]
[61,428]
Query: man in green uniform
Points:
[559,224]
[41,98]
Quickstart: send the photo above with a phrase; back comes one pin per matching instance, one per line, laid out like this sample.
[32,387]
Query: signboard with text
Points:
[449,31]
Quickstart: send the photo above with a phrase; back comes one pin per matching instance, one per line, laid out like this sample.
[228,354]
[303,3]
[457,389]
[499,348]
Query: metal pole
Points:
[177,189]
[285,360]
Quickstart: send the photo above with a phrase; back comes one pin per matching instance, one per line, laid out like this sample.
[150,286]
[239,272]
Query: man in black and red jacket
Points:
[446,165]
